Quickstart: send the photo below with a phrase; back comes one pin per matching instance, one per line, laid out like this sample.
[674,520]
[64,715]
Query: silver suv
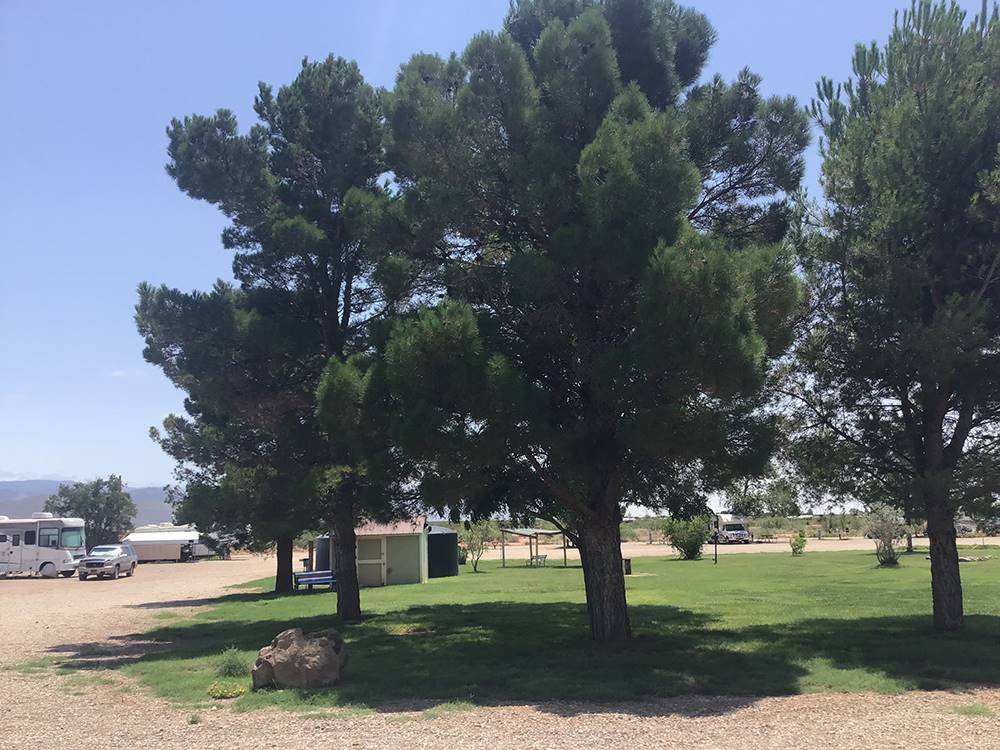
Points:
[109,561]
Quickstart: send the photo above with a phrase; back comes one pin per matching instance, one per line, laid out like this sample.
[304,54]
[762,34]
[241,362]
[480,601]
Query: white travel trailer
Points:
[42,544]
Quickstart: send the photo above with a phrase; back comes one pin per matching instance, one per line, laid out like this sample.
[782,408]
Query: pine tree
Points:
[613,294]
[898,380]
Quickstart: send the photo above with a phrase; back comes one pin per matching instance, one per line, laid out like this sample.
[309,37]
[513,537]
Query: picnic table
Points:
[537,560]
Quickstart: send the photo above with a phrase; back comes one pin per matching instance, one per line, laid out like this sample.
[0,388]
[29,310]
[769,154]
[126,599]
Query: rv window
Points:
[3,537]
[72,538]
[48,537]
[29,537]
[17,540]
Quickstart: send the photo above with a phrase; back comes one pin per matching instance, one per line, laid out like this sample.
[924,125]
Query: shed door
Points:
[402,559]
[371,561]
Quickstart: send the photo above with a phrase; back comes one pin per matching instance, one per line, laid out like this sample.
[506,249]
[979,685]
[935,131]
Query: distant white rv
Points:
[729,529]
[167,543]
[42,545]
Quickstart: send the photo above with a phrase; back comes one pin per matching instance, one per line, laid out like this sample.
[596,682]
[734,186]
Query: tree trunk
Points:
[946,581]
[909,542]
[601,556]
[345,545]
[283,576]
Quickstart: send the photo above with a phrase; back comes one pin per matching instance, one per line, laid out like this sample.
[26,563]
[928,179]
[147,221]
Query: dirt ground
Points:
[60,617]
[554,552]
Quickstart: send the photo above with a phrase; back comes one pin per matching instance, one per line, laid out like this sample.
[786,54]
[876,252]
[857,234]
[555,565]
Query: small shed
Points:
[164,542]
[390,553]
[442,552]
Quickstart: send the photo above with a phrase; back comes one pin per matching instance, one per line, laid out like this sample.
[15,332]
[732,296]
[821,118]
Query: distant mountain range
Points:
[19,499]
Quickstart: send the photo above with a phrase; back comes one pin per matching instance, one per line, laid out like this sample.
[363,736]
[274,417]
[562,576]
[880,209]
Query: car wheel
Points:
[114,575]
[131,571]
[48,570]
[83,576]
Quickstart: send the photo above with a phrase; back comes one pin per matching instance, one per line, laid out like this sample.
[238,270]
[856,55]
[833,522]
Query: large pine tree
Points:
[614,295]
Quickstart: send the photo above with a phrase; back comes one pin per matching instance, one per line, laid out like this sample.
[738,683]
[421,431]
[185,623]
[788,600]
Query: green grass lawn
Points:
[753,624]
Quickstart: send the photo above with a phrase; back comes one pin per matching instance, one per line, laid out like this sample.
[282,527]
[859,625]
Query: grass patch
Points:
[973,709]
[766,624]
[232,663]
[35,667]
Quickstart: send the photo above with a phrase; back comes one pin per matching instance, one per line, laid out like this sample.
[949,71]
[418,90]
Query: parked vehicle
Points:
[42,545]
[730,529]
[109,561]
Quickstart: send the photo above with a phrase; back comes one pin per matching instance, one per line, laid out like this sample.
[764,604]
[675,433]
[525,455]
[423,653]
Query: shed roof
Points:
[533,532]
[396,528]
[440,530]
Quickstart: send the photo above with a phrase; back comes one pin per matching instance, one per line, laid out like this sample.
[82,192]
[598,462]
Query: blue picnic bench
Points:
[315,578]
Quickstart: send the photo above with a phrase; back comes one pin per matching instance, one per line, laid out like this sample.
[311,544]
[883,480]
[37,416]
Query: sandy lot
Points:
[68,617]
[554,552]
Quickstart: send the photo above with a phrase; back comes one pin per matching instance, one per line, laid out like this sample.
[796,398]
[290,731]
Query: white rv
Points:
[730,529]
[41,544]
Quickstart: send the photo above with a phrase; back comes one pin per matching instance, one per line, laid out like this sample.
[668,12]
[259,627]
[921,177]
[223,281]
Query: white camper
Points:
[730,529]
[167,543]
[42,544]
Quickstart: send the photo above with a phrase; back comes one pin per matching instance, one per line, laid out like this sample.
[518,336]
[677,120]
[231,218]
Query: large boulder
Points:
[300,660]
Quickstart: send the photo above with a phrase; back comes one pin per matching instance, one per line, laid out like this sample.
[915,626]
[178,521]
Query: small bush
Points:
[463,556]
[688,537]
[798,543]
[231,663]
[225,690]
[194,719]
[884,527]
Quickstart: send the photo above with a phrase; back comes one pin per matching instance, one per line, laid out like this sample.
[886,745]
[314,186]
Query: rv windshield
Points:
[72,538]
[733,527]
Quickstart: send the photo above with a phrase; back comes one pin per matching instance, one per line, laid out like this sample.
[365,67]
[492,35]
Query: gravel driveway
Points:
[63,617]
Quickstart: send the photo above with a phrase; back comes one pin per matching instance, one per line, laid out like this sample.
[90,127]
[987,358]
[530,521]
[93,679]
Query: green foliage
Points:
[232,663]
[312,235]
[689,536]
[611,311]
[107,510]
[898,374]
[885,527]
[474,536]
[798,543]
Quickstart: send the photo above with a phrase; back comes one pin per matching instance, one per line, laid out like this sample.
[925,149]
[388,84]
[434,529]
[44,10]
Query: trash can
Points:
[627,565]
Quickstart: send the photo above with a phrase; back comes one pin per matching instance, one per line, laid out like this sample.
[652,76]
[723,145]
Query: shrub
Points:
[798,543]
[194,719]
[884,527]
[225,690]
[463,556]
[231,663]
[688,537]
[474,537]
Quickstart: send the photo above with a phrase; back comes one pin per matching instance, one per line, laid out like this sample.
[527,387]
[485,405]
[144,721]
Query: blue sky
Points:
[87,211]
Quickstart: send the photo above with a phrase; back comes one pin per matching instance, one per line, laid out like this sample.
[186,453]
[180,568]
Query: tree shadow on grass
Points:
[508,653]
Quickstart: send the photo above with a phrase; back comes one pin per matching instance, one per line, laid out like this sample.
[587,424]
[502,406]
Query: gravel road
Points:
[65,617]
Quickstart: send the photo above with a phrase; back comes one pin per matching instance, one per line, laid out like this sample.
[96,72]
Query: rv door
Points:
[5,551]
[12,552]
